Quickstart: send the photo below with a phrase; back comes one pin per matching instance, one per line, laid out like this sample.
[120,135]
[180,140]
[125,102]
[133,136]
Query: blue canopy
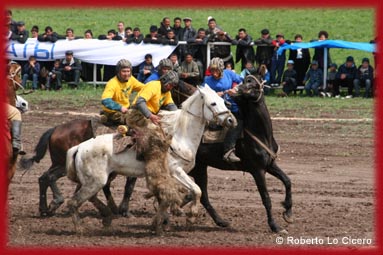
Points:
[370,47]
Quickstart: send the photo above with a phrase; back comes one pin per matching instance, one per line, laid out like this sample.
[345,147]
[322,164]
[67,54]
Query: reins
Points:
[273,155]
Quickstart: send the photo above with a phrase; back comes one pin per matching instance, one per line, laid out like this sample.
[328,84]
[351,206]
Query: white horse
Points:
[91,162]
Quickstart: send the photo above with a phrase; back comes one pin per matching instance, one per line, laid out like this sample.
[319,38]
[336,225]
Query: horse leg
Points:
[260,180]
[45,182]
[199,173]
[58,199]
[180,175]
[108,195]
[287,204]
[105,211]
[124,205]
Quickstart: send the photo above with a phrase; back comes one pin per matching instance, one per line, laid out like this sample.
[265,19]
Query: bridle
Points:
[11,76]
[215,113]
[260,89]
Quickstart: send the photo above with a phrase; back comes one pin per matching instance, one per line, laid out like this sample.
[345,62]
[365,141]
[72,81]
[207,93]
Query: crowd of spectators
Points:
[256,56]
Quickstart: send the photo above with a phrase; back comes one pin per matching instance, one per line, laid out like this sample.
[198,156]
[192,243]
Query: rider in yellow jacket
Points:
[116,95]
[156,96]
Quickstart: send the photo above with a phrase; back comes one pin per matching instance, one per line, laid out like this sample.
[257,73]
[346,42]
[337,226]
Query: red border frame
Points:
[377,4]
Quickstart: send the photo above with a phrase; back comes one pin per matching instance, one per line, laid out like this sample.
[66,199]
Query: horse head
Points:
[14,75]
[252,87]
[214,109]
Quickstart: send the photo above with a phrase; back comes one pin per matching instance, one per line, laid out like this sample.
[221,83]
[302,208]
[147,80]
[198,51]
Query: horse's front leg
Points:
[108,195]
[124,205]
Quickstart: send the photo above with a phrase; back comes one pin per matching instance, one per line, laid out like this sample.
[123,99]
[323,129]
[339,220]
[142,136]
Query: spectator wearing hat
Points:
[187,33]
[153,36]
[21,35]
[277,61]
[364,78]
[35,32]
[177,28]
[245,51]
[301,58]
[48,36]
[31,71]
[136,37]
[289,80]
[164,27]
[345,77]
[146,68]
[265,49]
[313,79]
[319,52]
[69,70]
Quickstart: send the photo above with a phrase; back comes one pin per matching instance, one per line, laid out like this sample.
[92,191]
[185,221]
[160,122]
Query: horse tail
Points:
[70,163]
[40,150]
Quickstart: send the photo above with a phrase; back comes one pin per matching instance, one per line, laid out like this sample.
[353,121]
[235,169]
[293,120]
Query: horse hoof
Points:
[223,224]
[283,232]
[107,221]
[126,214]
[46,214]
[287,217]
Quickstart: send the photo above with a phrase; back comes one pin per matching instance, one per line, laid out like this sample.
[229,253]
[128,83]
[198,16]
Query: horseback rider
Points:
[14,117]
[223,82]
[164,66]
[115,98]
[156,95]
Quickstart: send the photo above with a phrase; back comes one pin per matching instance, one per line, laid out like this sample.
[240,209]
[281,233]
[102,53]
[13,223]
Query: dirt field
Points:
[330,164]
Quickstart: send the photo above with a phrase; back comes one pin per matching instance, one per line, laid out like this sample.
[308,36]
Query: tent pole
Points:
[325,64]
[94,75]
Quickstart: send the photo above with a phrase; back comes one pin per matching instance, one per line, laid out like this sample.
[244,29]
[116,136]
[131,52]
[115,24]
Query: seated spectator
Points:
[52,77]
[345,77]
[364,78]
[31,71]
[163,67]
[174,58]
[136,37]
[112,35]
[189,71]
[331,77]
[164,26]
[153,36]
[289,79]
[48,36]
[249,70]
[170,38]
[146,68]
[313,79]
[264,73]
[228,66]
[35,31]
[69,70]
[21,35]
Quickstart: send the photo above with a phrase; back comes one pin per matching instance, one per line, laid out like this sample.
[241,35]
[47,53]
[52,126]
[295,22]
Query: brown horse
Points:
[13,84]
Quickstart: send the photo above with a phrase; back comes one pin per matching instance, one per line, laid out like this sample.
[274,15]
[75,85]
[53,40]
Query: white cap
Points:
[209,18]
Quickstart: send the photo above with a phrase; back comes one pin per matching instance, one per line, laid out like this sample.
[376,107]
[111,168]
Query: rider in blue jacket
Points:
[222,81]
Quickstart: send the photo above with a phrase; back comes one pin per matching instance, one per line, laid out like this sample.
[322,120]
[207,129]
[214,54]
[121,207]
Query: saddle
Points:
[123,140]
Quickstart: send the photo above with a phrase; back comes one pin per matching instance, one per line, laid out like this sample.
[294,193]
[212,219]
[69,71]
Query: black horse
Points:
[257,150]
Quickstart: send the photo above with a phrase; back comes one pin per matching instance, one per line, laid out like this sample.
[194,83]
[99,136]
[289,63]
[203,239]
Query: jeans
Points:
[363,83]
[73,75]
[312,86]
[277,66]
[32,77]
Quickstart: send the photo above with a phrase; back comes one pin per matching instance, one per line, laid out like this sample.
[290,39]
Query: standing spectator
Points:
[314,79]
[222,51]
[245,50]
[319,52]
[48,36]
[289,80]
[128,32]
[69,70]
[345,77]
[153,36]
[88,34]
[301,58]
[31,72]
[198,47]
[164,26]
[112,35]
[277,61]
[87,68]
[265,49]
[177,27]
[187,33]
[248,70]
[35,32]
[331,79]
[364,78]
[21,35]
[170,38]
[69,35]
[12,25]
[146,68]
[189,71]
[136,37]
[109,70]
[213,28]
[121,29]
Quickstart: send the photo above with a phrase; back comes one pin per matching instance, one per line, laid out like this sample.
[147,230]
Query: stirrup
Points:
[230,157]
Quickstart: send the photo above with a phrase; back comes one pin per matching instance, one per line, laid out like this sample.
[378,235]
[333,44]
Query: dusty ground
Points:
[330,165]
